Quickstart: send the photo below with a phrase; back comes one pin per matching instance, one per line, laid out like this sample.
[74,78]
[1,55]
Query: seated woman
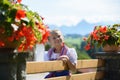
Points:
[59,51]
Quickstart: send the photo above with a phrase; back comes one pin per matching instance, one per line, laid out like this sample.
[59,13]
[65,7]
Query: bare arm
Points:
[66,60]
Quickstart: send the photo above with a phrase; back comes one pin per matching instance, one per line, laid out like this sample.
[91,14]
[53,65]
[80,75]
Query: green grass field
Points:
[73,41]
[76,43]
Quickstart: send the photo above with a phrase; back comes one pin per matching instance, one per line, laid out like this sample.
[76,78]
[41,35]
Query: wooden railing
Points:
[47,66]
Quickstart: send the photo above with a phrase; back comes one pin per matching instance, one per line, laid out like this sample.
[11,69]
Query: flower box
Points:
[102,36]
[20,26]
[20,30]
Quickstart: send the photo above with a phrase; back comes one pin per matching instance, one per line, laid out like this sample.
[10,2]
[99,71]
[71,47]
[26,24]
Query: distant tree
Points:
[83,43]
[47,47]
[89,52]
[92,51]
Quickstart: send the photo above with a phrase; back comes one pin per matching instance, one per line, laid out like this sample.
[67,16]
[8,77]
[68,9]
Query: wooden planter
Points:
[111,48]
[12,65]
[112,64]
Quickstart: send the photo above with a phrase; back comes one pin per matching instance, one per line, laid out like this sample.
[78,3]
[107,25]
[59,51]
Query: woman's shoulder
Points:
[71,50]
[72,55]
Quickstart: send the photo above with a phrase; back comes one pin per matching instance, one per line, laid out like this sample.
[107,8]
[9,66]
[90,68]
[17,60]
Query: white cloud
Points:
[70,12]
[95,19]
[62,20]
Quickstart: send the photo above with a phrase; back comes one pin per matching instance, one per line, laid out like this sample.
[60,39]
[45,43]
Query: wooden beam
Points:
[38,67]
[46,66]
[83,76]
[90,63]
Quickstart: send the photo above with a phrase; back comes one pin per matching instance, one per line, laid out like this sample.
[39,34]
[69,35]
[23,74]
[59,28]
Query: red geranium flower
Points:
[19,1]
[103,35]
[1,44]
[20,14]
[21,25]
[87,47]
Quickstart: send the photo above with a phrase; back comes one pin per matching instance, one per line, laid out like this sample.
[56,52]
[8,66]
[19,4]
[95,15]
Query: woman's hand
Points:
[64,58]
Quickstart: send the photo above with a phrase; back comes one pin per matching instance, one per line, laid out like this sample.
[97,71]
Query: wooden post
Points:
[112,64]
[12,65]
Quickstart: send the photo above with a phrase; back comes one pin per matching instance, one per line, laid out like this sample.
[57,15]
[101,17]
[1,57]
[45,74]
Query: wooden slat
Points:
[91,63]
[37,67]
[83,76]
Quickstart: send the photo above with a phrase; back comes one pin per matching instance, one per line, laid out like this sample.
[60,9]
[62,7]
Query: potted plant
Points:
[104,36]
[19,24]
[107,37]
[20,30]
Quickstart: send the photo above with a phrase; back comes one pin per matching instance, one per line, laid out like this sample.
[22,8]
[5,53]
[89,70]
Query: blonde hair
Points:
[55,31]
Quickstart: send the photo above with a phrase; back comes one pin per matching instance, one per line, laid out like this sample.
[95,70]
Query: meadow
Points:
[75,42]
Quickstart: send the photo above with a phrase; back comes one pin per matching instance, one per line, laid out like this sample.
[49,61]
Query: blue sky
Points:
[71,12]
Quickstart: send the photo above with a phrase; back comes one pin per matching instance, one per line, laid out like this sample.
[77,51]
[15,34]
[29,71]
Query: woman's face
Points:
[56,39]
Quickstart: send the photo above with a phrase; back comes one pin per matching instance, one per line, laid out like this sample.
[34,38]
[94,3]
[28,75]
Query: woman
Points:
[59,51]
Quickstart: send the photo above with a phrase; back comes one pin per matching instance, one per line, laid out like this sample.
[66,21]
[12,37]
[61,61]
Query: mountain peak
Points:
[82,28]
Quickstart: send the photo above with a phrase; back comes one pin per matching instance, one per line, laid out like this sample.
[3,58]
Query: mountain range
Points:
[82,28]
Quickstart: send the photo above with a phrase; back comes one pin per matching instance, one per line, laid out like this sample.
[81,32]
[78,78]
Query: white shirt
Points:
[71,53]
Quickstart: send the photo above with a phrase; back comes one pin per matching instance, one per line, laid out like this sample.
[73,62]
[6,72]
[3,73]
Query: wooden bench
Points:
[47,66]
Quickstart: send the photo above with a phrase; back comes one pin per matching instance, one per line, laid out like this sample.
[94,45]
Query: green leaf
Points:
[12,13]
[8,29]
